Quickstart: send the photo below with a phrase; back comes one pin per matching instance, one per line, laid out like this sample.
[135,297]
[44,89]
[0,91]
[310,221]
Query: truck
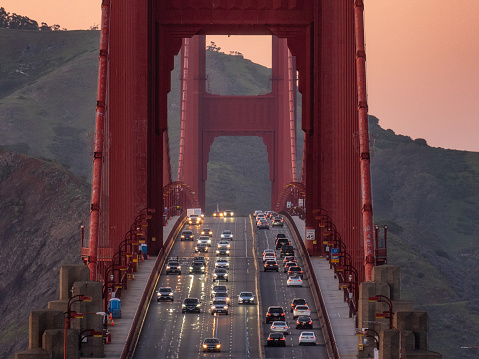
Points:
[195,216]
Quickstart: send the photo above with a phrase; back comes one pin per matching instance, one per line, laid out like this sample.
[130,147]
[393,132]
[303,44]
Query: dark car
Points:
[276,339]
[295,271]
[280,235]
[289,264]
[297,301]
[277,222]
[282,242]
[220,274]
[173,266]
[270,265]
[274,313]
[197,267]
[287,251]
[191,305]
[187,236]
[211,345]
[201,247]
[304,322]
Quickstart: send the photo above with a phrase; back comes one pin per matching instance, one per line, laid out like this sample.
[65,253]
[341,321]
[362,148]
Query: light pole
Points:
[384,299]
[70,315]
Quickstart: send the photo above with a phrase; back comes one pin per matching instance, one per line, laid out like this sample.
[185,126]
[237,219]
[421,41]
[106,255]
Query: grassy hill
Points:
[427,196]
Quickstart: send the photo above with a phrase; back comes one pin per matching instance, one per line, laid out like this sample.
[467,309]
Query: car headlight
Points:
[217,251]
[171,294]
[209,241]
[198,304]
[183,305]
[204,346]
[167,267]
[191,268]
[226,274]
[202,268]
[228,252]
[232,213]
[225,307]
[212,307]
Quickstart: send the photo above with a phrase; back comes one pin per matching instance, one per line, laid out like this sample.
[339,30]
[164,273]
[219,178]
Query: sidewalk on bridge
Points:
[129,302]
[338,310]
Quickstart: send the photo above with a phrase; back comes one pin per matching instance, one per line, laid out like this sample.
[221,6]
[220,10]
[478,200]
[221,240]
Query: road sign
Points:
[310,234]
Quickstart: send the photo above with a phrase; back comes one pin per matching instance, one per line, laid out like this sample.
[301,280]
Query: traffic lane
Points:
[274,291]
[196,327]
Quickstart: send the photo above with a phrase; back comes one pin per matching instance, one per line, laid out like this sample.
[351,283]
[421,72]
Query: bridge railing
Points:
[331,345]
[140,314]
[291,199]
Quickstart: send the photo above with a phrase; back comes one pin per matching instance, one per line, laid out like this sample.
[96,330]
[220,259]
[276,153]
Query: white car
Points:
[221,296]
[269,254]
[279,326]
[222,263]
[294,281]
[224,245]
[227,234]
[301,310]
[246,297]
[308,338]
[204,240]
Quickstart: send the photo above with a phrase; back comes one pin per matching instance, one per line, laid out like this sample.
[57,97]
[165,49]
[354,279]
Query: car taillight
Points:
[268,314]
[282,314]
[281,338]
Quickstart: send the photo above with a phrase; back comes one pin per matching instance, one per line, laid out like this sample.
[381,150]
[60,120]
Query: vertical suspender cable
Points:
[364,140]
[184,82]
[99,139]
[292,117]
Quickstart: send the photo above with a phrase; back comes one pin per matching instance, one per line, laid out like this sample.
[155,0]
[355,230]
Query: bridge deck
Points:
[343,326]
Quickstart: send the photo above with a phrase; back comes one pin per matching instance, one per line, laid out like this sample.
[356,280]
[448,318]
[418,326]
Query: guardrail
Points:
[140,314]
[331,345]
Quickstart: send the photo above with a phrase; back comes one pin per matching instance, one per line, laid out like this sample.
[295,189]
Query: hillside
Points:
[42,207]
[427,196]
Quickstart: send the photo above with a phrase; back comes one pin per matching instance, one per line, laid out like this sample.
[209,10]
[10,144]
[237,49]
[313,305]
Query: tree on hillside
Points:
[18,22]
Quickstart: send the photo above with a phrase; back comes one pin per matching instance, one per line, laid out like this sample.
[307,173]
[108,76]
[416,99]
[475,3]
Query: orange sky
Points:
[422,61]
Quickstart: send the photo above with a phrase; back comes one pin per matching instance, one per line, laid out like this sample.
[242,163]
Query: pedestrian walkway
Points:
[338,310]
[130,299]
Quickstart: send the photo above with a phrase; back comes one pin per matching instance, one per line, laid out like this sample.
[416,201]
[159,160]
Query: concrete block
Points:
[60,305]
[37,353]
[53,342]
[417,322]
[391,275]
[93,347]
[41,320]
[70,274]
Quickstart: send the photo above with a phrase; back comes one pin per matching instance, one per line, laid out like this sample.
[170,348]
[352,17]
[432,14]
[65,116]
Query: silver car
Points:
[246,298]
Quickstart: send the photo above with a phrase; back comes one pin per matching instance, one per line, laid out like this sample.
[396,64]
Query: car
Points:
[218,214]
[206,232]
[191,305]
[246,298]
[295,270]
[301,310]
[222,263]
[289,259]
[280,235]
[228,213]
[187,236]
[222,296]
[271,265]
[279,326]
[277,222]
[173,266]
[222,252]
[281,242]
[286,251]
[218,288]
[200,259]
[297,301]
[294,281]
[164,293]
[201,247]
[204,240]
[274,313]
[219,306]
[255,213]
[304,322]
[263,224]
[211,345]
[308,338]
[269,256]
[227,234]
[197,267]
[194,219]
[288,265]
[220,274]
[224,244]
[276,339]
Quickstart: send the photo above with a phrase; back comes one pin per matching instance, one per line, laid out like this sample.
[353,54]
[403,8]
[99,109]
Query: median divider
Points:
[140,314]
[331,345]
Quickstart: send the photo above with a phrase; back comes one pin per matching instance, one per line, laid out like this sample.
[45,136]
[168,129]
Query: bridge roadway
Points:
[167,333]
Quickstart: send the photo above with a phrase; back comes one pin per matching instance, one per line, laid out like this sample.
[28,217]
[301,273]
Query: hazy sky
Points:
[422,61]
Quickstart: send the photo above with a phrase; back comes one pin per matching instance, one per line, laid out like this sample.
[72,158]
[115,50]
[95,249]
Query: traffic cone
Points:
[112,322]
[110,319]
[133,276]
[147,256]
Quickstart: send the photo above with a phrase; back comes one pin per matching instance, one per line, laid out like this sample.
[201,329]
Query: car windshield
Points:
[226,231]
[219,302]
[165,290]
[276,310]
[301,307]
[276,335]
[212,340]
[246,294]
[191,301]
[220,270]
[219,288]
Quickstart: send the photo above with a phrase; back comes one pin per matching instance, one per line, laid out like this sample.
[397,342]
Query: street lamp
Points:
[70,315]
[384,299]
